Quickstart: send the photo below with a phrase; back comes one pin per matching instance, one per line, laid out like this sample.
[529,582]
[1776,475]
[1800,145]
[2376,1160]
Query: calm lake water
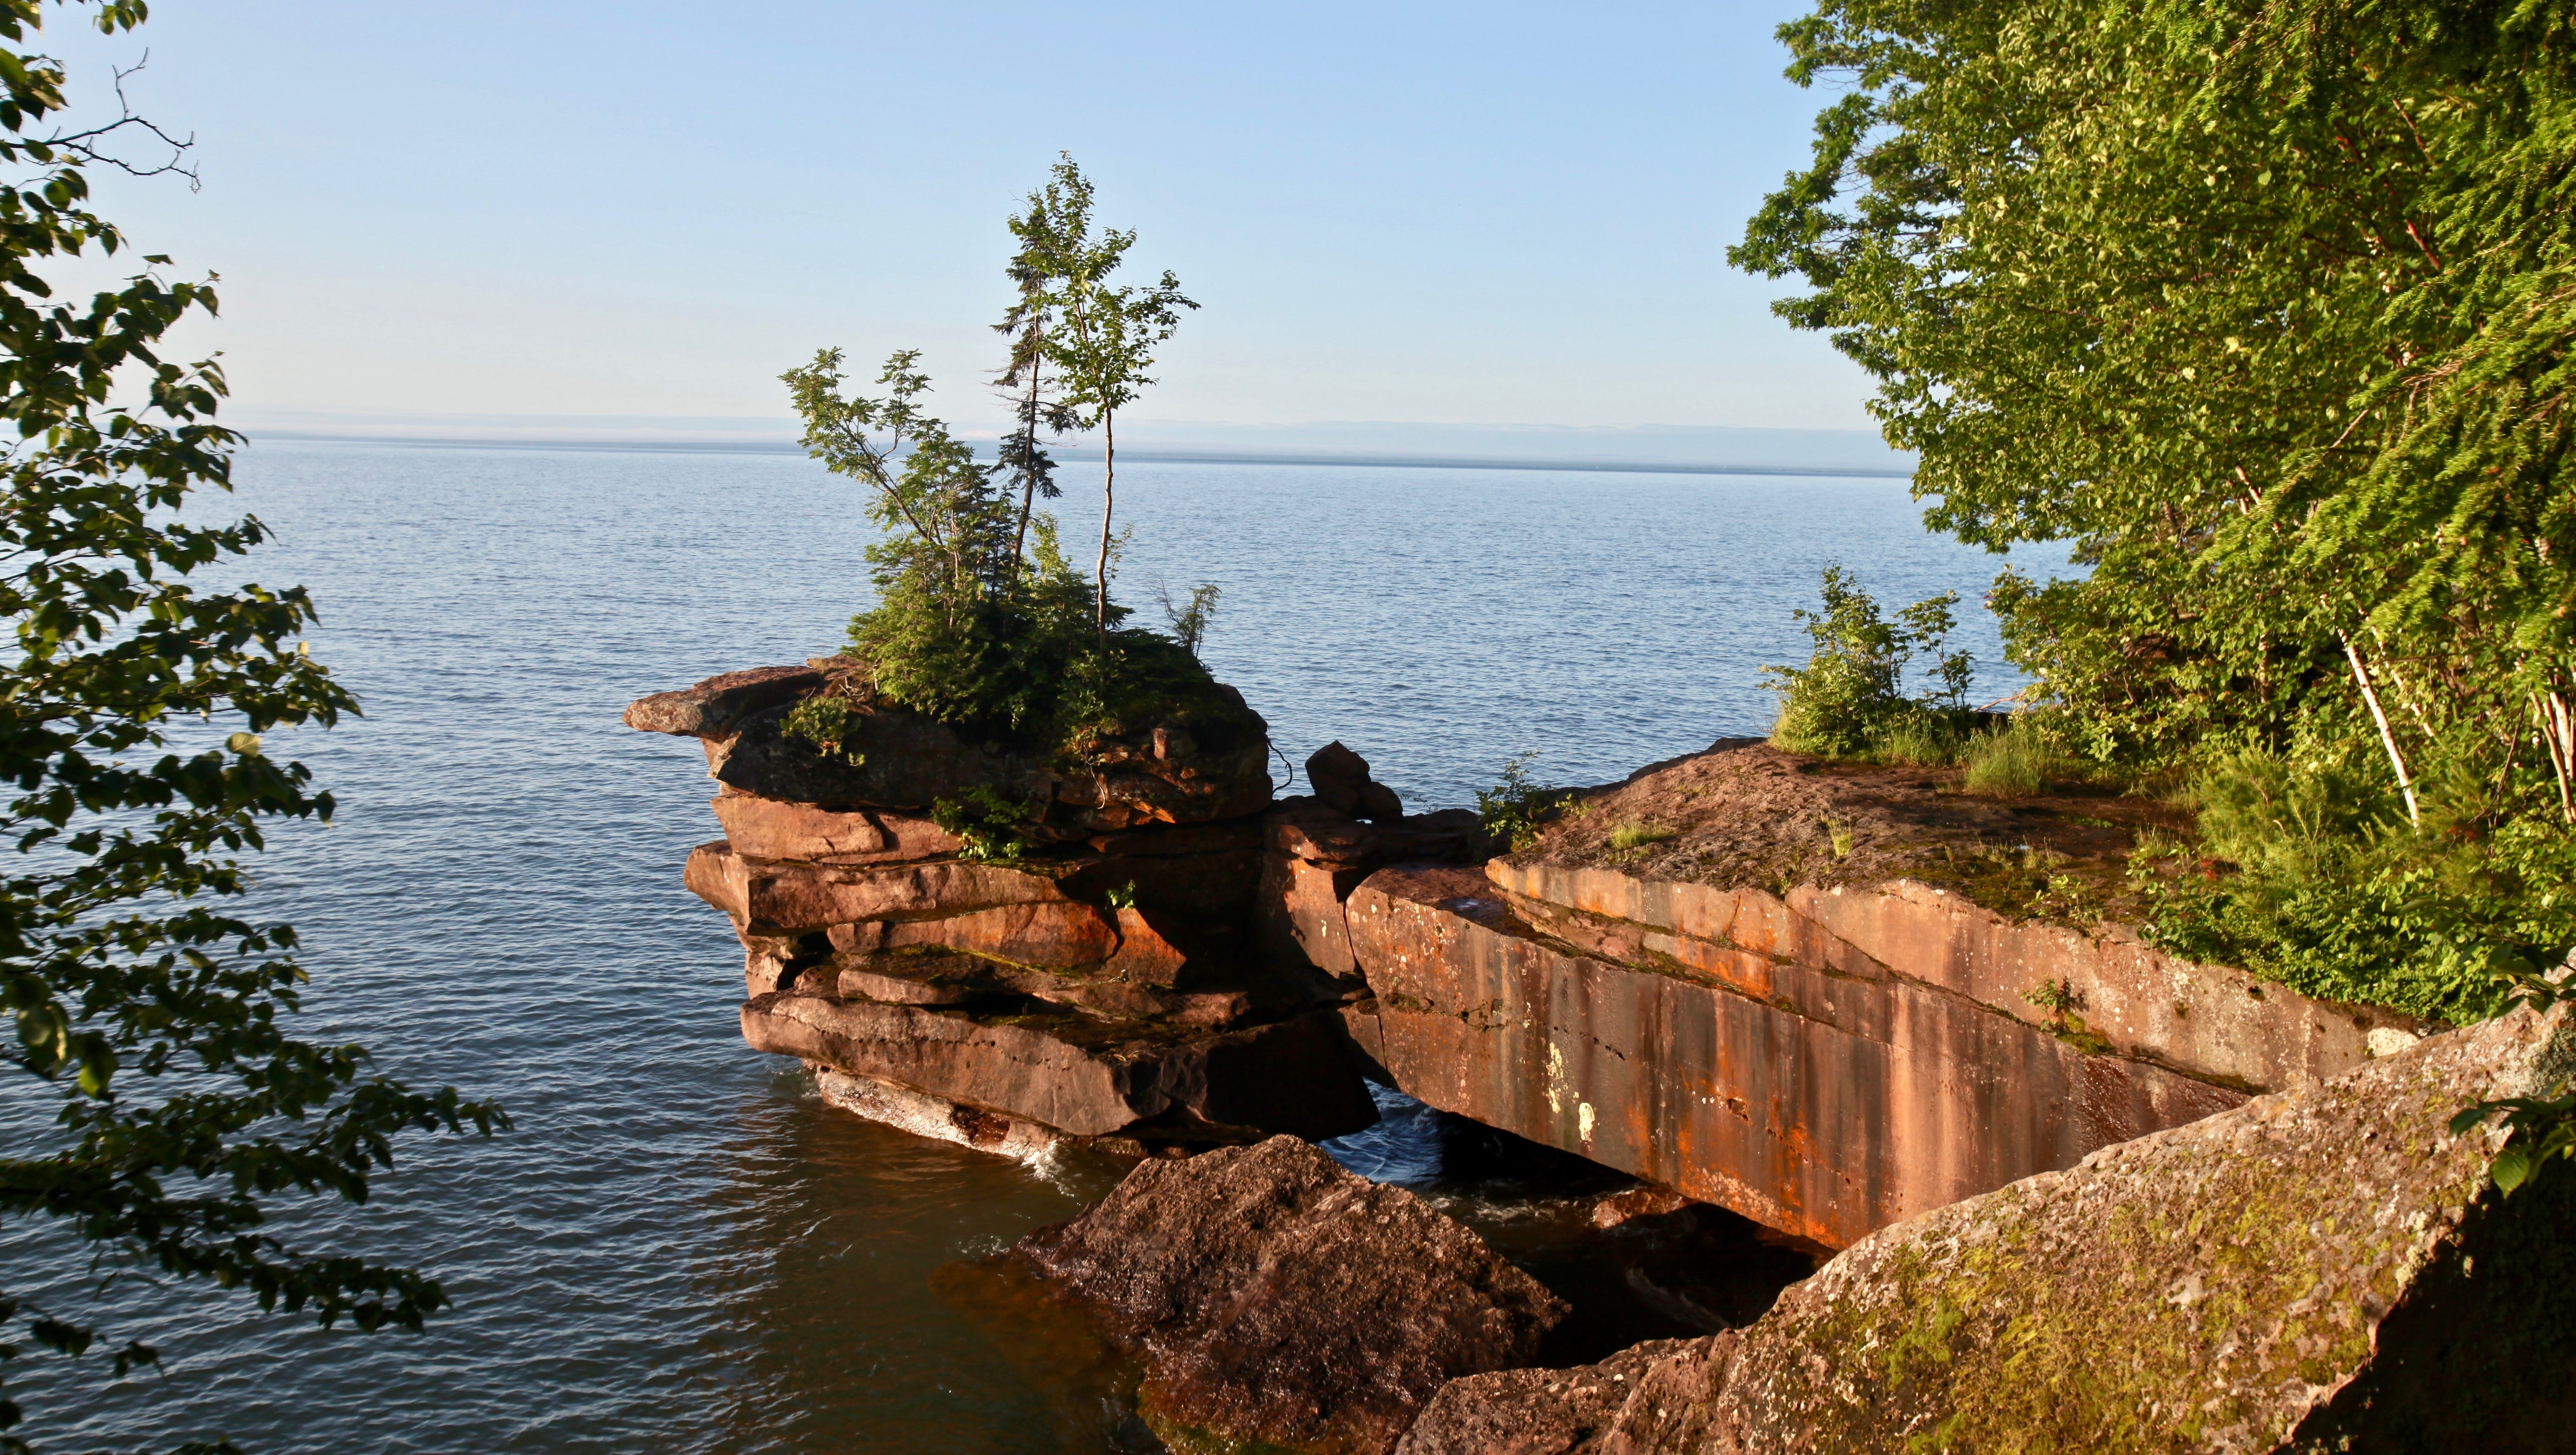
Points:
[679,1247]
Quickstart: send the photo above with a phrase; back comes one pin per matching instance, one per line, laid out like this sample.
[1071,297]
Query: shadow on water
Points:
[825,1213]
[1670,1275]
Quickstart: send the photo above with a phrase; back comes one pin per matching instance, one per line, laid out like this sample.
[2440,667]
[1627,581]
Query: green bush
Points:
[1848,701]
[1514,809]
[2314,877]
[1920,738]
[986,824]
[823,721]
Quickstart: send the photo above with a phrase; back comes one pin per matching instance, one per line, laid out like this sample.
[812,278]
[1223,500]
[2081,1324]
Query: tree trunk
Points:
[1108,503]
[2387,739]
[2558,735]
[1028,459]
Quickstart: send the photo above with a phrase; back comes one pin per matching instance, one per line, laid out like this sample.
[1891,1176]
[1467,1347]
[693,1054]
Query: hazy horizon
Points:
[1676,448]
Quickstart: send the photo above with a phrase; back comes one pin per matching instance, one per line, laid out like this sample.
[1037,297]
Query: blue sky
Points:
[1466,214]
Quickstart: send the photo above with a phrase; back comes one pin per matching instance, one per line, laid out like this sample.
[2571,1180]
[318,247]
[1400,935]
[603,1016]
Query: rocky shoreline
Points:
[2016,1124]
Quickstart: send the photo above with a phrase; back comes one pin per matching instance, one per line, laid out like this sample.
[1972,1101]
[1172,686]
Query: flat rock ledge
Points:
[2326,1269]
[1211,763]
[1279,1301]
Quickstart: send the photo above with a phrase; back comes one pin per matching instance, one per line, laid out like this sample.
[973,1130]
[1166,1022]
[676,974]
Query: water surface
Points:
[679,1247]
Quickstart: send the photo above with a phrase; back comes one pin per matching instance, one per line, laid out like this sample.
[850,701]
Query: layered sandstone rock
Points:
[1342,783]
[1209,762]
[1643,1399]
[2326,1269]
[1825,1061]
[1108,983]
[1280,1301]
[1317,855]
[1079,1072]
[1813,1099]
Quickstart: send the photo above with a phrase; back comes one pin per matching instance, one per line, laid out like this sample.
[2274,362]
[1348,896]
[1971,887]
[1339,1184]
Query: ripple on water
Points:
[680,1246]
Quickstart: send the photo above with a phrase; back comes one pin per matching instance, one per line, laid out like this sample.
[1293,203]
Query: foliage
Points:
[2537,1127]
[2266,309]
[1106,334]
[154,1019]
[965,630]
[985,823]
[823,721]
[1057,213]
[1638,835]
[1190,619]
[1851,693]
[2014,763]
[1514,808]
[1919,739]
[2310,874]
[980,621]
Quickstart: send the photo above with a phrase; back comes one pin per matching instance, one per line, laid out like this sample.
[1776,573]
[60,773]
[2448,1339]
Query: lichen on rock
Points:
[2324,1269]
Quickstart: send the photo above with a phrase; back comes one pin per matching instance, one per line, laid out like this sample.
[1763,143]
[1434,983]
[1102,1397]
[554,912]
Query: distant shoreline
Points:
[1142,454]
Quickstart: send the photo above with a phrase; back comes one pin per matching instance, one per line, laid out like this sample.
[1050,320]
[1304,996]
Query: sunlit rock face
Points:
[1823,1058]
[1279,1302]
[2325,1269]
[1208,762]
[1104,980]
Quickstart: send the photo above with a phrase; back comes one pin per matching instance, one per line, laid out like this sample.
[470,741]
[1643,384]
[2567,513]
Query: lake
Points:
[679,1247]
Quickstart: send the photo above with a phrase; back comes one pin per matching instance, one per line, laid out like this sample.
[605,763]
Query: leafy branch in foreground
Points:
[2537,1127]
[154,1018]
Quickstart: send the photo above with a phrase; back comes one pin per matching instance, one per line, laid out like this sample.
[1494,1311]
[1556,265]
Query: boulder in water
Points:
[2322,1269]
[1278,1300]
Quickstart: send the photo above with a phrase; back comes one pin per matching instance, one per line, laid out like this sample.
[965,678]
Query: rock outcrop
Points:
[1341,782]
[1275,1298]
[1826,1060]
[2326,1269]
[1207,761]
[1108,981]
[1317,854]
[1643,1400]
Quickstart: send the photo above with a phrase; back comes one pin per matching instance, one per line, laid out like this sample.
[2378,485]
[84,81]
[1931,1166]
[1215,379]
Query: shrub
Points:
[1514,808]
[823,721]
[986,824]
[2315,878]
[2283,822]
[1921,739]
[1850,694]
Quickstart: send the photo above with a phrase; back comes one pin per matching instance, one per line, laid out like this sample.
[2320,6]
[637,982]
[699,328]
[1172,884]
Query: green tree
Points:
[154,1018]
[1057,212]
[1104,343]
[2265,308]
[980,620]
[948,635]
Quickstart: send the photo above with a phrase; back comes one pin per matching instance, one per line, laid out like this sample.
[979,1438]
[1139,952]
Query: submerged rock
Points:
[1276,1298]
[2324,1269]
